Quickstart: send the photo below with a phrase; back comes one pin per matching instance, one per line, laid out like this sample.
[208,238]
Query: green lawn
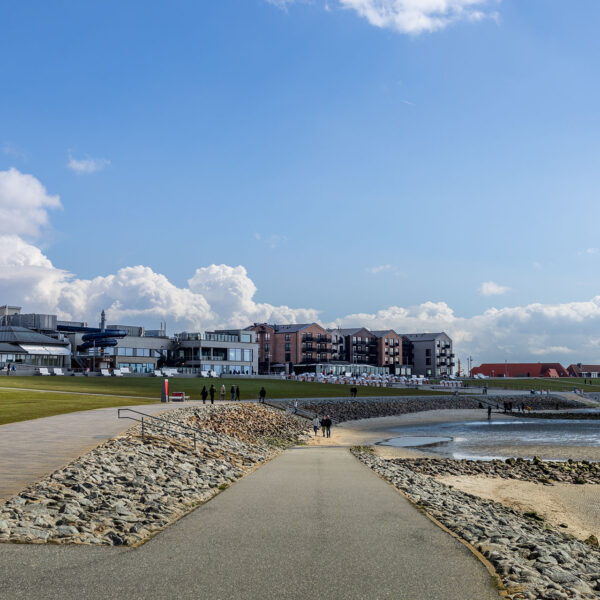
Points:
[19,404]
[564,384]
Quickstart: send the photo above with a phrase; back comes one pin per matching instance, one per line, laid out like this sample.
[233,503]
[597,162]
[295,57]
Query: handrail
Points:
[191,435]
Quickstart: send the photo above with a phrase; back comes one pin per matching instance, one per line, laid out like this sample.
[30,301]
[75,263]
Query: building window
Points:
[288,337]
[235,354]
[287,347]
[428,352]
[247,355]
[428,361]
[267,347]
[288,357]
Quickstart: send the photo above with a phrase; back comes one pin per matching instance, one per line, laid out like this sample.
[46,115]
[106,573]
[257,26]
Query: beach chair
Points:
[43,371]
[58,371]
[117,373]
[157,373]
[105,372]
[125,371]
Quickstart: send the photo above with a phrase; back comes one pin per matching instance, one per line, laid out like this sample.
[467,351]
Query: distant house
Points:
[520,370]
[579,370]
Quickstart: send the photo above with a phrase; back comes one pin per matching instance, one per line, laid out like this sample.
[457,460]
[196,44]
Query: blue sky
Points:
[349,165]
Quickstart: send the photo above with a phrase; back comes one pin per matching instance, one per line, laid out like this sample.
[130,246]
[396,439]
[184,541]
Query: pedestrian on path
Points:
[204,395]
[316,423]
[223,392]
[489,413]
[237,392]
[328,424]
[232,393]
[262,394]
[295,407]
[323,426]
[212,393]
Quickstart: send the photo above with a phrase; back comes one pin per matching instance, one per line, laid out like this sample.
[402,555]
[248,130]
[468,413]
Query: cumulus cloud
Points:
[412,16]
[24,203]
[490,288]
[520,333]
[225,296]
[87,165]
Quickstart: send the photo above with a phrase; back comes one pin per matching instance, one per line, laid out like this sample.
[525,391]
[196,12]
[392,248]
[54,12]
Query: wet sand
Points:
[372,431]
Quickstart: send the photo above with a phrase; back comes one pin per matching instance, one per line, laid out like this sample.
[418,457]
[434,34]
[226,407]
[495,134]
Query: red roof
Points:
[577,369]
[521,370]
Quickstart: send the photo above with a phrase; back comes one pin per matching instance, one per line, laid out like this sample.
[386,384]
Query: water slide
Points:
[95,337]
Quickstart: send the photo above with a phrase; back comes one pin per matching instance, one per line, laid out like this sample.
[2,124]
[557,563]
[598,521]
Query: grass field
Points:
[48,397]
[545,383]
[21,405]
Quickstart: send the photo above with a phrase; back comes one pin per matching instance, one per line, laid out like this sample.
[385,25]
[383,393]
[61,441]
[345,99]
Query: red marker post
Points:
[164,394]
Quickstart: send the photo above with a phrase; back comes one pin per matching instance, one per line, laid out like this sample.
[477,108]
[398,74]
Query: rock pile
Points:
[352,409]
[533,560]
[546,472]
[125,491]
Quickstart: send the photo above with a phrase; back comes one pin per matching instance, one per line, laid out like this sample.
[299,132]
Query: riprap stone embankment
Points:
[533,560]
[125,491]
[355,408]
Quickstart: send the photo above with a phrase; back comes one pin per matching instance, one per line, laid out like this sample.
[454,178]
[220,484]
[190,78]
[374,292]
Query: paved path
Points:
[313,523]
[31,449]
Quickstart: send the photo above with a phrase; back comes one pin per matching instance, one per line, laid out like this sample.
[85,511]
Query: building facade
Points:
[280,347]
[227,352]
[431,353]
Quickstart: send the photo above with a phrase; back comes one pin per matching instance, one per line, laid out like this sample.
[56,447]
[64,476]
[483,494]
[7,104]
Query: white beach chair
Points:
[58,371]
[117,373]
[105,372]
[43,371]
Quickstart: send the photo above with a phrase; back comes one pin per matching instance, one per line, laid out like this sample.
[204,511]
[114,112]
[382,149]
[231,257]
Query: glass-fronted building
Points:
[22,346]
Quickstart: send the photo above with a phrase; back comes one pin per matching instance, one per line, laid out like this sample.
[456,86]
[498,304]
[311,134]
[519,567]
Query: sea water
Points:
[482,439]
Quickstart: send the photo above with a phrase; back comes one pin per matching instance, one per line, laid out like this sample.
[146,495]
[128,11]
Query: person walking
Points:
[323,426]
[262,394]
[489,413]
[237,392]
[232,393]
[223,391]
[316,423]
[212,393]
[204,395]
[295,407]
[328,424]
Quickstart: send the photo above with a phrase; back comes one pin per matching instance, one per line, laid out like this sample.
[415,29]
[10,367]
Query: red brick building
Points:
[280,345]
[389,349]
[520,370]
[586,371]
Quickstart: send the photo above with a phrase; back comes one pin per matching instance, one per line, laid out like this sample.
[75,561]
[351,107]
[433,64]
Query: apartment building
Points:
[282,346]
[431,353]
[388,349]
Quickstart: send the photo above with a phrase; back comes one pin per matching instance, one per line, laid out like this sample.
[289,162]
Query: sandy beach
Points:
[577,506]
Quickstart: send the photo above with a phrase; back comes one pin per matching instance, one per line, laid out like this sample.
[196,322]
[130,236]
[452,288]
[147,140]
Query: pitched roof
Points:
[521,370]
[382,332]
[579,368]
[22,335]
[423,337]
[291,328]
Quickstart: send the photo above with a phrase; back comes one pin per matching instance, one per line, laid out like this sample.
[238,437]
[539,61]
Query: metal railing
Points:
[150,420]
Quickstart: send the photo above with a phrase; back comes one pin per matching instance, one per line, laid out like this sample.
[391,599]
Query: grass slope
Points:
[20,405]
[48,397]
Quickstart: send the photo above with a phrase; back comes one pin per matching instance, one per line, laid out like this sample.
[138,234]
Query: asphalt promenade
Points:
[312,523]
[32,449]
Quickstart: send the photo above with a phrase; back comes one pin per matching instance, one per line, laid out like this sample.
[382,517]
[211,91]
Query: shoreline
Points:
[577,506]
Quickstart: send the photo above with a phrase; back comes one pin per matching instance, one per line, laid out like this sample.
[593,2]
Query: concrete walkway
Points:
[32,449]
[312,523]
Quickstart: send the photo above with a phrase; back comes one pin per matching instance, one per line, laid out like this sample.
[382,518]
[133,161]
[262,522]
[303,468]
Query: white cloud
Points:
[412,16]
[23,203]
[379,269]
[224,296]
[490,288]
[272,241]
[591,251]
[87,165]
